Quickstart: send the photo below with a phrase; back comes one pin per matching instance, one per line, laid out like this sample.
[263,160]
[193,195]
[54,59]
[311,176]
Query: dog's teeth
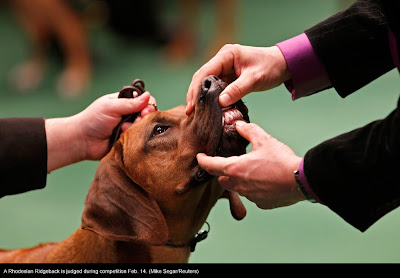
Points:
[229,118]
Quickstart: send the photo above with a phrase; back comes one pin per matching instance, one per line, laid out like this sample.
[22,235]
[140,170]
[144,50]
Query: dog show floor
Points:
[303,232]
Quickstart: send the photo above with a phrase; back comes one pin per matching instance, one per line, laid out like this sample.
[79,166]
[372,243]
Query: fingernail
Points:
[200,155]
[239,123]
[189,107]
[224,99]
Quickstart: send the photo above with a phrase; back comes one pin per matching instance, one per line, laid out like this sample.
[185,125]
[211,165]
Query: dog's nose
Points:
[211,87]
[208,82]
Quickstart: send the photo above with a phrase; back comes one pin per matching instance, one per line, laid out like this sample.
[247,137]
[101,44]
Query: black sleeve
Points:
[353,45]
[356,174]
[23,155]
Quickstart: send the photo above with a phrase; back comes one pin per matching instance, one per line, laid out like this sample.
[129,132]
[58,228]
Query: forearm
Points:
[64,144]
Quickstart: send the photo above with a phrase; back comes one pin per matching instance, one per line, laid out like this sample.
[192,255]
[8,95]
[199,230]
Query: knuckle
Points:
[237,90]
[232,169]
[231,45]
[197,73]
[258,77]
[230,48]
[227,47]
[201,73]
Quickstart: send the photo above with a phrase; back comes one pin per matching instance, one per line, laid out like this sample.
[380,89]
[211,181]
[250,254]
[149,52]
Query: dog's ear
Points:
[238,210]
[119,209]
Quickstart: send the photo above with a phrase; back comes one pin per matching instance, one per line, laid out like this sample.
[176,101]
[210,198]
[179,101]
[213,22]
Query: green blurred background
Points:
[303,232]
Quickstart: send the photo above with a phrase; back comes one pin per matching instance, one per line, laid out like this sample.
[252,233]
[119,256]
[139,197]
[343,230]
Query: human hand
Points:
[265,175]
[100,118]
[246,68]
[86,135]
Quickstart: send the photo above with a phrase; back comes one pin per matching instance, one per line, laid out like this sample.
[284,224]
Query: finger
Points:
[138,119]
[226,182]
[252,132]
[125,126]
[214,165]
[112,95]
[151,107]
[153,100]
[147,110]
[189,97]
[235,90]
[126,106]
[233,184]
[218,65]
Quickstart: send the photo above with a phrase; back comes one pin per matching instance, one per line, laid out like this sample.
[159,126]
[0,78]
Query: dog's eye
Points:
[160,129]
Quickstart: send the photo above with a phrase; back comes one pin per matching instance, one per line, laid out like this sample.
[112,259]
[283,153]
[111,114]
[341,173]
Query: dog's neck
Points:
[90,247]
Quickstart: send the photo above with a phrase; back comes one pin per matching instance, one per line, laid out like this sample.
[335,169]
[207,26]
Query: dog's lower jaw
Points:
[84,246]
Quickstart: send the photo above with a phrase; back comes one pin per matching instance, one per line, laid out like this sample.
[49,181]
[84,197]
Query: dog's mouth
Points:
[230,115]
[216,124]
[215,128]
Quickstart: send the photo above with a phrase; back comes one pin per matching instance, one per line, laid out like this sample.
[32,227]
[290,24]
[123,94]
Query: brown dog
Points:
[149,197]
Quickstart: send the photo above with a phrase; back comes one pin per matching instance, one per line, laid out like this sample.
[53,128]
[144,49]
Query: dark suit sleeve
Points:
[353,46]
[356,174]
[23,155]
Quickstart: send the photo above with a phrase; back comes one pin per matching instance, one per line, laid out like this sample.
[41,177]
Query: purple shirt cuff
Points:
[305,183]
[393,48]
[308,74]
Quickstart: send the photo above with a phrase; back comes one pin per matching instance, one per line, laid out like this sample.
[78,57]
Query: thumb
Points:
[235,91]
[252,132]
[126,106]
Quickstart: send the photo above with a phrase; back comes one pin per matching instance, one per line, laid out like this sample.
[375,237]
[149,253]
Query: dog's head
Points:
[150,188]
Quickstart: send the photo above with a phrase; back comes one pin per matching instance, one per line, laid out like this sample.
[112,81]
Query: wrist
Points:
[294,166]
[64,143]
[303,185]
[299,55]
[282,65]
[301,188]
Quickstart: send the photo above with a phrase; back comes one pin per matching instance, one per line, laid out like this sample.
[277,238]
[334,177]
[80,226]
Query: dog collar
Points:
[200,236]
